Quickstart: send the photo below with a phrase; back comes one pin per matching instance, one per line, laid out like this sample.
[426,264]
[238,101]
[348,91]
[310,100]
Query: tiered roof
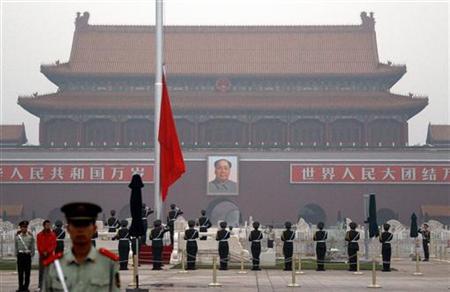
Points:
[438,135]
[12,135]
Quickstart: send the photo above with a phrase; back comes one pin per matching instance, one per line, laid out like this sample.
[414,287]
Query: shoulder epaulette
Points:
[52,258]
[108,254]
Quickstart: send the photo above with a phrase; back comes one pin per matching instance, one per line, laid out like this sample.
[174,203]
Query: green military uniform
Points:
[97,273]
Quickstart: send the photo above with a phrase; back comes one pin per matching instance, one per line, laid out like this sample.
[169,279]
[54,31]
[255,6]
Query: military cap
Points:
[203,212]
[353,225]
[58,223]
[172,206]
[320,225]
[81,213]
[386,226]
[223,224]
[112,212]
[425,225]
[157,223]
[191,223]
[256,224]
[124,223]
[23,223]
[288,224]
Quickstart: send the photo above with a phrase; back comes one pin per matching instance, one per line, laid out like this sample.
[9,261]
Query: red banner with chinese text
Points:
[346,173]
[74,172]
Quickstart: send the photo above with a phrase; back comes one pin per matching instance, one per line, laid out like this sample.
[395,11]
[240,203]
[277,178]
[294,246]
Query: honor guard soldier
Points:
[146,211]
[426,237]
[24,248]
[352,237]
[191,236]
[222,237]
[60,236]
[255,237]
[320,237]
[113,222]
[288,237]
[123,236]
[270,236]
[385,239]
[171,218]
[82,268]
[157,236]
[204,223]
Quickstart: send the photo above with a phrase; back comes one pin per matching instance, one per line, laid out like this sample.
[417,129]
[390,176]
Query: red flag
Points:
[172,162]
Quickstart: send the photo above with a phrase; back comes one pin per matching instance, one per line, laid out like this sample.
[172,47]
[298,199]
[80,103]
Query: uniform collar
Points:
[92,255]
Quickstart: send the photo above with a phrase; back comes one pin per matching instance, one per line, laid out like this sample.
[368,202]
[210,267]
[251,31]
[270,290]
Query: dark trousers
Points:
[143,238]
[23,270]
[426,251]
[223,254]
[93,242]
[191,251]
[256,252]
[321,250]
[352,257]
[59,246]
[157,257]
[288,251]
[269,243]
[386,253]
[171,230]
[203,229]
[124,250]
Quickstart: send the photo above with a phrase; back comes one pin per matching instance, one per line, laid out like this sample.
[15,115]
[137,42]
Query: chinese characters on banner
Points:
[74,172]
[369,173]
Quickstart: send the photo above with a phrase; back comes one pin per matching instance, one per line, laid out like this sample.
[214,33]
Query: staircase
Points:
[146,255]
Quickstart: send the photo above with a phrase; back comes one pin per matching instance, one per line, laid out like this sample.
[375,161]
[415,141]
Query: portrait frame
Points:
[233,183]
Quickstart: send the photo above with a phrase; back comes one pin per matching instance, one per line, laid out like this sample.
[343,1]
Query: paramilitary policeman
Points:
[191,236]
[352,237]
[157,236]
[222,237]
[123,235]
[255,237]
[426,237]
[82,268]
[204,223]
[385,239]
[171,218]
[60,236]
[288,237]
[113,222]
[320,237]
[24,248]
[146,211]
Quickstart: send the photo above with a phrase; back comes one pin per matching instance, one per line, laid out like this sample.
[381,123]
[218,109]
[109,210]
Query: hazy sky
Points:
[414,33]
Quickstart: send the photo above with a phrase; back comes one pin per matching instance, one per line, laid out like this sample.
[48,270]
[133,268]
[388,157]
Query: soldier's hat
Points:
[81,213]
[113,212]
[23,223]
[256,224]
[124,223]
[386,226]
[288,224]
[203,212]
[320,225]
[157,223]
[223,224]
[58,223]
[191,223]
[172,206]
[353,225]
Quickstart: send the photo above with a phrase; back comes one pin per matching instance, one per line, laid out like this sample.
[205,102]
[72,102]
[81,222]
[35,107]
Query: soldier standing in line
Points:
[123,236]
[146,211]
[204,223]
[385,240]
[320,237]
[60,236]
[171,218]
[270,236]
[288,237]
[191,236]
[82,268]
[24,249]
[157,236]
[426,237]
[113,222]
[352,237]
[222,237]
[255,237]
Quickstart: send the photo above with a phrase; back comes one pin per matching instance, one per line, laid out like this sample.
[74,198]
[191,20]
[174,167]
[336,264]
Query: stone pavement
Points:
[436,278]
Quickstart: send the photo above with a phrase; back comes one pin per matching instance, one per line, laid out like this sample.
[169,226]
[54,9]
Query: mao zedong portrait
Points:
[222,183]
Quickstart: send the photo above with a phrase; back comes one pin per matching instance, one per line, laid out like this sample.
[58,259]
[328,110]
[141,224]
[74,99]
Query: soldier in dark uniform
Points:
[156,236]
[320,237]
[113,222]
[204,223]
[426,237]
[146,211]
[123,235]
[255,237]
[191,236]
[288,237]
[352,238]
[385,239]
[222,237]
[60,236]
[171,218]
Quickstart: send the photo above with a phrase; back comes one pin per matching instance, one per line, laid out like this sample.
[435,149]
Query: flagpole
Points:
[158,94]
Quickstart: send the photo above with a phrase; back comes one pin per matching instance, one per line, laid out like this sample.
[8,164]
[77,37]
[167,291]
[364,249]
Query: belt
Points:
[24,252]
[288,241]
[354,241]
[157,239]
[60,240]
[321,241]
[191,240]
[144,218]
[124,239]
[223,240]
[258,241]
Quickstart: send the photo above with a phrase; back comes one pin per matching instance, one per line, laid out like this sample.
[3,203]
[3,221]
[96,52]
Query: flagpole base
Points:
[242,272]
[136,290]
[293,285]
[299,273]
[215,284]
[373,286]
[358,273]
[417,274]
[182,272]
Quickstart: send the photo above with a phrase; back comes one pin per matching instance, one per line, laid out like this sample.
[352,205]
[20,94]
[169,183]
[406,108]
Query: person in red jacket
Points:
[46,244]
